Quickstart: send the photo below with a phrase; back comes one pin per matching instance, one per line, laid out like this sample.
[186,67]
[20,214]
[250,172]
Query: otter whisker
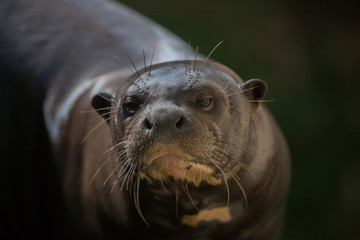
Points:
[227,143]
[203,157]
[177,203]
[196,54]
[113,185]
[125,168]
[107,113]
[190,52]
[133,64]
[128,177]
[151,61]
[111,174]
[162,184]
[224,88]
[98,170]
[118,176]
[227,191]
[237,180]
[94,128]
[129,174]
[248,89]
[241,91]
[186,191]
[261,101]
[124,165]
[218,167]
[132,171]
[186,63]
[118,144]
[208,56]
[120,60]
[247,151]
[194,175]
[143,51]
[100,116]
[104,163]
[220,157]
[94,110]
[221,151]
[120,155]
[241,166]
[137,202]
[233,94]
[190,48]
[237,146]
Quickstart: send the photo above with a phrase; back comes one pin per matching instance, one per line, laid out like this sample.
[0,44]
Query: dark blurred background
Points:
[309,54]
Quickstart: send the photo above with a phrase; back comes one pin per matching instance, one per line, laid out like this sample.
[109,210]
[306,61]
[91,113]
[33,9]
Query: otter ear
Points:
[102,103]
[254,90]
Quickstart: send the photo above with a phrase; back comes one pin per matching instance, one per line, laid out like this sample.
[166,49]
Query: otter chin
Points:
[168,162]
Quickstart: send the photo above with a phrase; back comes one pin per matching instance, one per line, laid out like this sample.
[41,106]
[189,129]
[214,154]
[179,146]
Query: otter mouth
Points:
[165,162]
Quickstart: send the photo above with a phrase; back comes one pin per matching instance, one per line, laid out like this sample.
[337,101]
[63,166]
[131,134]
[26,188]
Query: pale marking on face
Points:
[221,214]
[165,161]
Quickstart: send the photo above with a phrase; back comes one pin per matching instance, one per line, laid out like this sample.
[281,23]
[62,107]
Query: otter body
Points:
[149,145]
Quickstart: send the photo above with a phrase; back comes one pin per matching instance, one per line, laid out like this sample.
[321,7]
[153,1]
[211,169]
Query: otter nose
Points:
[165,120]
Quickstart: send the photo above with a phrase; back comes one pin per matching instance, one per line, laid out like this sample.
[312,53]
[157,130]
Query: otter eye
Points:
[131,106]
[205,102]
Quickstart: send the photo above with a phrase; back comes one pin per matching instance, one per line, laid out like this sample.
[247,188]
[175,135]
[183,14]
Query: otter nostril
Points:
[180,123]
[147,124]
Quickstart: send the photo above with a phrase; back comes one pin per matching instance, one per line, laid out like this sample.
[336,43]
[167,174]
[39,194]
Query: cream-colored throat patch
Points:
[221,214]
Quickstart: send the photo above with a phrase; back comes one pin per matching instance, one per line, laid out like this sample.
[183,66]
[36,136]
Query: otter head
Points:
[181,122]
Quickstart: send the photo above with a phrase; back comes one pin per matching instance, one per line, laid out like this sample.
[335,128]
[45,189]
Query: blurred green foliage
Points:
[309,54]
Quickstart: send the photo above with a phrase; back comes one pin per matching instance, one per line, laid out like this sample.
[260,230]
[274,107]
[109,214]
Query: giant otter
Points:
[149,145]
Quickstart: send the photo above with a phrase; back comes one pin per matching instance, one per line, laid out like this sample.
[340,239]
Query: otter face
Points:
[171,124]
[178,123]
